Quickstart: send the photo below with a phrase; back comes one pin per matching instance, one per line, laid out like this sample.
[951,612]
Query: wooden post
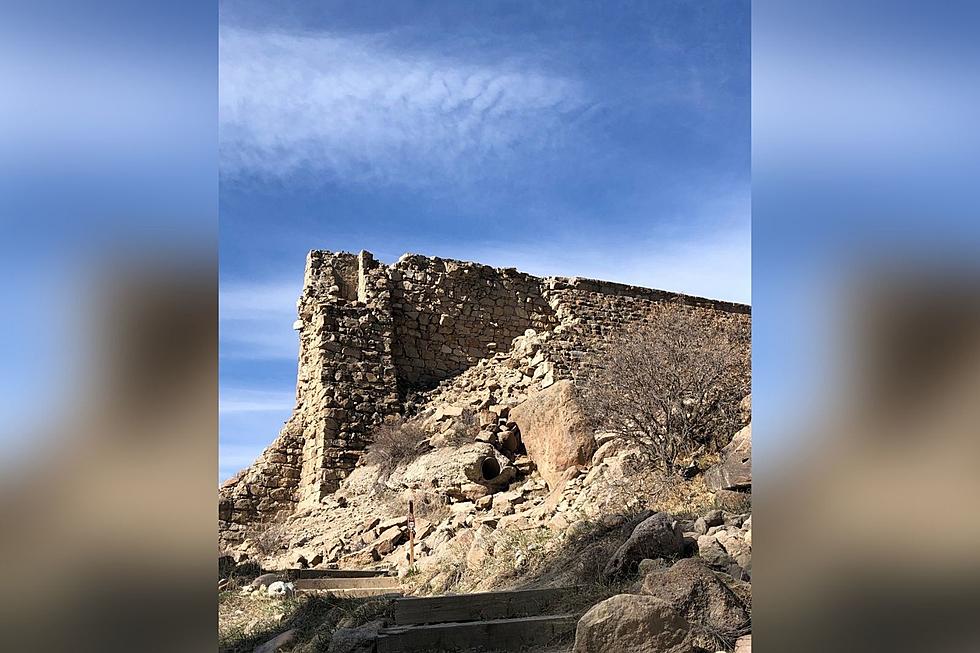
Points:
[411,534]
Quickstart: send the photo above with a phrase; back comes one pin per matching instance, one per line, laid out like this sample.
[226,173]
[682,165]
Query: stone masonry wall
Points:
[370,333]
[591,312]
[346,379]
[450,314]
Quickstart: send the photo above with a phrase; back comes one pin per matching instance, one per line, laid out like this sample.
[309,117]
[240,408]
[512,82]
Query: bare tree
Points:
[675,383]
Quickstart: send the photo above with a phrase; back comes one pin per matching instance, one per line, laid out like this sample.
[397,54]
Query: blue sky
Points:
[607,140]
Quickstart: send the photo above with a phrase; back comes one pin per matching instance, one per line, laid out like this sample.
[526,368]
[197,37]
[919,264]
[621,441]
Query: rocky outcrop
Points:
[555,431]
[629,623]
[734,472]
[727,546]
[692,589]
[657,536]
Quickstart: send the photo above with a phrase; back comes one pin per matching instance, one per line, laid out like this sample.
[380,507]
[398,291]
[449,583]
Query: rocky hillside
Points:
[512,488]
[454,430]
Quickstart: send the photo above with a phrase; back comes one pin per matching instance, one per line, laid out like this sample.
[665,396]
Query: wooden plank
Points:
[336,573]
[358,593]
[479,606]
[492,635]
[346,583]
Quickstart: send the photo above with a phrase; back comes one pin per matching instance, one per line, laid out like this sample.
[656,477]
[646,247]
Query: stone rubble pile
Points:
[493,386]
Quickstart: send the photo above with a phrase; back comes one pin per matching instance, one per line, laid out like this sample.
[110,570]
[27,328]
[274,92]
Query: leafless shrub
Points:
[431,506]
[673,384]
[395,441]
[270,539]
[464,430]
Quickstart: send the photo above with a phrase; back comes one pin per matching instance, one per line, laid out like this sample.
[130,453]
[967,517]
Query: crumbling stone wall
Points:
[592,312]
[371,333]
[259,494]
[346,380]
[450,314]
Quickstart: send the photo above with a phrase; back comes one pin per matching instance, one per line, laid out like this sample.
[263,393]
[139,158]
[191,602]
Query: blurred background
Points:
[108,402]
[866,360]
[865,292]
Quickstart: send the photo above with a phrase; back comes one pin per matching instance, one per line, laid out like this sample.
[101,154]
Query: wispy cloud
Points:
[250,419]
[232,458]
[236,400]
[256,320]
[351,108]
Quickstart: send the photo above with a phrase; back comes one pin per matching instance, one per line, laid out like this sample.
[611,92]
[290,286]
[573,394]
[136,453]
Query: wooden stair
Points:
[488,621]
[347,583]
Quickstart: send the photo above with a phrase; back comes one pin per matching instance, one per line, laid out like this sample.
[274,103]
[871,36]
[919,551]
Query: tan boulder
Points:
[700,596]
[388,540]
[555,431]
[737,546]
[452,468]
[629,623]
[734,472]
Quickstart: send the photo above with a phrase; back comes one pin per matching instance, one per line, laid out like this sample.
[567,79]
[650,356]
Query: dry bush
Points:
[269,539]
[394,441]
[673,384]
[244,622]
[431,506]
[464,430]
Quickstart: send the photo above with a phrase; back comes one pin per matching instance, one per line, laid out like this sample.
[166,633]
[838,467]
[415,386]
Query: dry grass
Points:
[645,486]
[270,539]
[394,441]
[246,621]
[682,497]
[464,430]
[431,506]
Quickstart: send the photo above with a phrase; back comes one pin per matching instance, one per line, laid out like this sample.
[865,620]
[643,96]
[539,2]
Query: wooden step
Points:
[479,606]
[336,573]
[347,583]
[359,593]
[492,635]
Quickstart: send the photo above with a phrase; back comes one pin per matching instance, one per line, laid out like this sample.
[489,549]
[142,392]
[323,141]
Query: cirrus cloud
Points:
[352,109]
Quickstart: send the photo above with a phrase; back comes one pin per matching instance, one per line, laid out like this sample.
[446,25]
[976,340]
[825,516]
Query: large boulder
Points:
[657,536]
[452,468]
[555,431]
[733,501]
[734,472]
[629,623]
[355,640]
[700,595]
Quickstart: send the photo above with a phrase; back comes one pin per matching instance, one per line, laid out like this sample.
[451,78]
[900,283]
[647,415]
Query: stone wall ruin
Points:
[371,334]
